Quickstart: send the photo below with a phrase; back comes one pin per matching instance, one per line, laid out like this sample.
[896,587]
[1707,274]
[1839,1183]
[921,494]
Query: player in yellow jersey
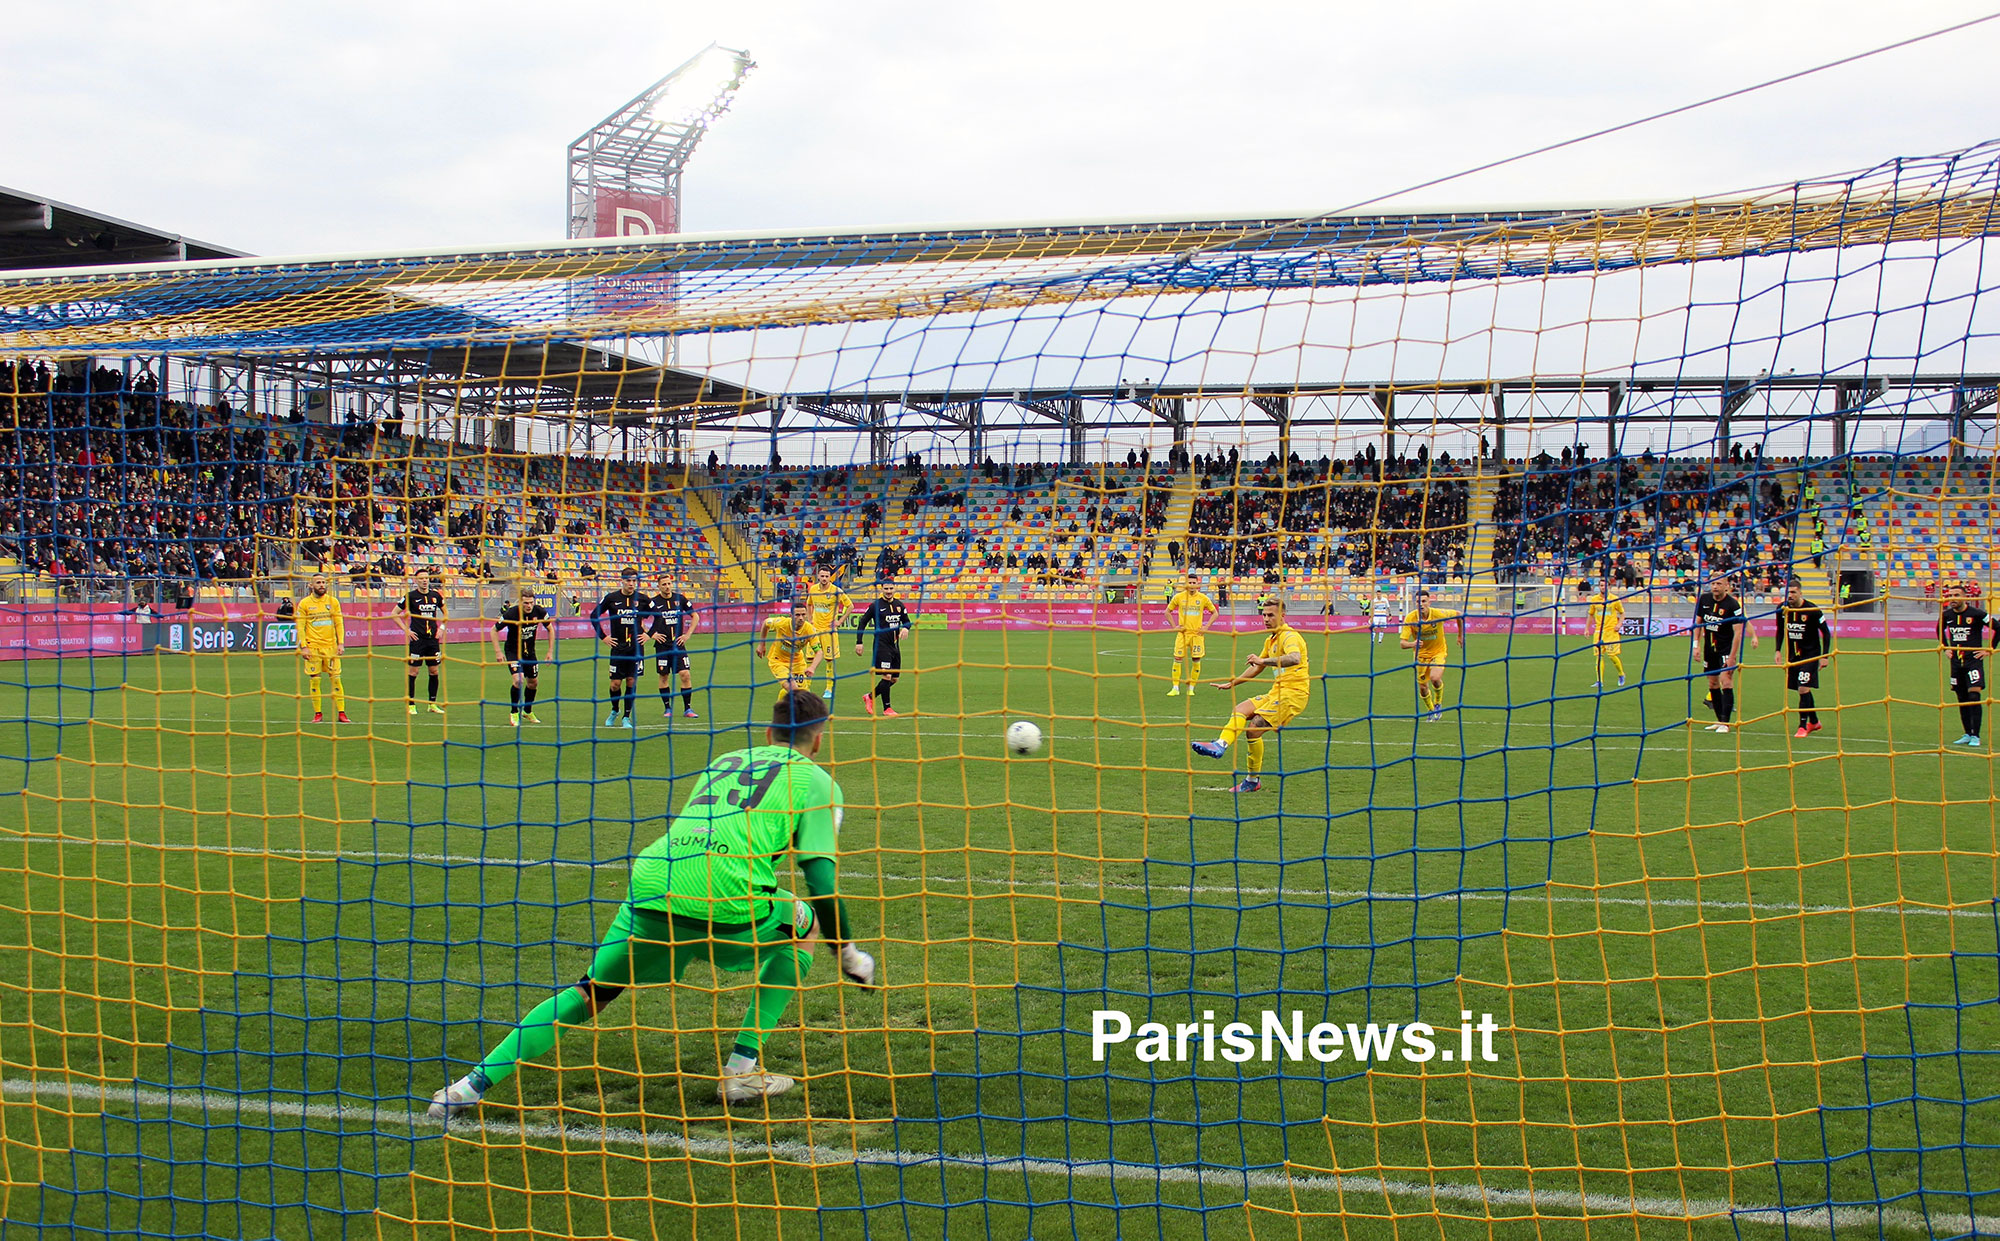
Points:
[1188,611]
[1607,620]
[1423,632]
[790,646]
[830,606]
[1285,652]
[322,638]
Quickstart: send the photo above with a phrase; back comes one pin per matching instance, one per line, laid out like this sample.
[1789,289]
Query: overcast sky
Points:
[314,128]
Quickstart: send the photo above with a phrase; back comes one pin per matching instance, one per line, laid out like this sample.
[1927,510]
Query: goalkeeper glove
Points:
[857,966]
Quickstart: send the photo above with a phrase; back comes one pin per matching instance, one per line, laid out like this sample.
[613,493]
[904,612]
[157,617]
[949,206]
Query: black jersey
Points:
[885,620]
[425,609]
[517,628]
[627,614]
[1718,620]
[1963,628]
[673,618]
[1803,629]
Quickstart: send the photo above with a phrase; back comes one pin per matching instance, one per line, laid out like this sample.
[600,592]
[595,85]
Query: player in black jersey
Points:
[1717,619]
[885,622]
[673,619]
[514,644]
[421,614]
[1805,643]
[626,609]
[1962,629]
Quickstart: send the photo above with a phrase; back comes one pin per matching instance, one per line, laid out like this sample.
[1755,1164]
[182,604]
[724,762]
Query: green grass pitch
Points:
[1740,969]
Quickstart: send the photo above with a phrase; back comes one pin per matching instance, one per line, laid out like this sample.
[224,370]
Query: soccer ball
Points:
[1023,737]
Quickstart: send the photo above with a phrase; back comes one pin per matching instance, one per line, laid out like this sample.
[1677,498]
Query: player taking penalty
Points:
[1423,632]
[1285,652]
[707,891]
[322,639]
[1188,611]
[789,646]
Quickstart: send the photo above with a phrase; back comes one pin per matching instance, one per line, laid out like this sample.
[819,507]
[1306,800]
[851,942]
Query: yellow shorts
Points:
[828,645]
[789,672]
[1610,646]
[1430,656]
[1190,645]
[318,662]
[1278,707]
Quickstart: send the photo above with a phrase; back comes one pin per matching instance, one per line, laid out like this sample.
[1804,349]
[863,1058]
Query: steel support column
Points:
[1385,400]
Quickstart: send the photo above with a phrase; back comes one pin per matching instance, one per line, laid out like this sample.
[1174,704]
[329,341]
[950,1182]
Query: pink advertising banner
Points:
[104,629]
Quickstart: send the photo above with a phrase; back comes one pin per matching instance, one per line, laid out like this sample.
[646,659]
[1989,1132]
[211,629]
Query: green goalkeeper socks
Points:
[779,978]
[534,1036]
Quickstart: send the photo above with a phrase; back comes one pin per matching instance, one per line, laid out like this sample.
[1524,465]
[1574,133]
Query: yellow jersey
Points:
[320,623]
[827,604]
[1427,631]
[1190,608]
[791,644]
[1606,616]
[1296,679]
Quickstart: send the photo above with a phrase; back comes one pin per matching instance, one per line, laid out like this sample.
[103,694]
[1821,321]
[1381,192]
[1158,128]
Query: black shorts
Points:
[624,665]
[528,667]
[670,658]
[1804,676]
[887,659]
[1968,675]
[424,648]
[1714,661]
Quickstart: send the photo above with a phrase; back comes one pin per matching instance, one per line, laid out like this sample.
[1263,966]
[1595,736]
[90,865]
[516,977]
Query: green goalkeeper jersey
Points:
[716,860]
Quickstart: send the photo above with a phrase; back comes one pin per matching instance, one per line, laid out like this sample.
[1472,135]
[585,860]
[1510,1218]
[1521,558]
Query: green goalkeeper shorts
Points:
[645,947]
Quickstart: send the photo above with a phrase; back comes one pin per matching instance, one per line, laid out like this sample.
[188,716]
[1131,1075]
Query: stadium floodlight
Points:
[625,173]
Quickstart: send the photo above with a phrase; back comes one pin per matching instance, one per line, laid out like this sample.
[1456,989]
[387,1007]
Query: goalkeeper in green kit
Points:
[707,891]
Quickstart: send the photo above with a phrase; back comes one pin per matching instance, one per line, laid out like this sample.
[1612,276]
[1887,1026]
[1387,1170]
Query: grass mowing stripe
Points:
[1610,741]
[242,1108]
[1981,912]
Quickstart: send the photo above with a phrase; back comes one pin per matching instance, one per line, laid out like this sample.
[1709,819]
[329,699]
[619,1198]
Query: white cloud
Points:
[371,125]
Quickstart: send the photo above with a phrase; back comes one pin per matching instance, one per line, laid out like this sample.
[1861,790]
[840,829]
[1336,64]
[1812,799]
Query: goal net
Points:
[1509,688]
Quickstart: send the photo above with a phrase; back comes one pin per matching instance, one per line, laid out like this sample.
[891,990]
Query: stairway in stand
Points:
[1163,577]
[704,503]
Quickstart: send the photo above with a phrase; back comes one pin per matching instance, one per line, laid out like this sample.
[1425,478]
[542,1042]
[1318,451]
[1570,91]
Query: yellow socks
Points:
[1253,755]
[339,696]
[1231,730]
[1194,671]
[312,684]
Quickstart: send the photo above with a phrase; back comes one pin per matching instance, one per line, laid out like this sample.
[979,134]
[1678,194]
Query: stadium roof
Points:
[38,232]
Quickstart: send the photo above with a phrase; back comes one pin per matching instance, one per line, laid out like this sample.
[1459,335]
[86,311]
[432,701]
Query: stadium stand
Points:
[108,481]
[108,484]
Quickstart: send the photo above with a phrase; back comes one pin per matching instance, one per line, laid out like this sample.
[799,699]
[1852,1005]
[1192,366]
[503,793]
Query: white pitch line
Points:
[381,1116]
[1527,895]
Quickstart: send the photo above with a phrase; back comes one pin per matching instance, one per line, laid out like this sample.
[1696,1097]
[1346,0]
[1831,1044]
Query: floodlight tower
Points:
[625,174]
